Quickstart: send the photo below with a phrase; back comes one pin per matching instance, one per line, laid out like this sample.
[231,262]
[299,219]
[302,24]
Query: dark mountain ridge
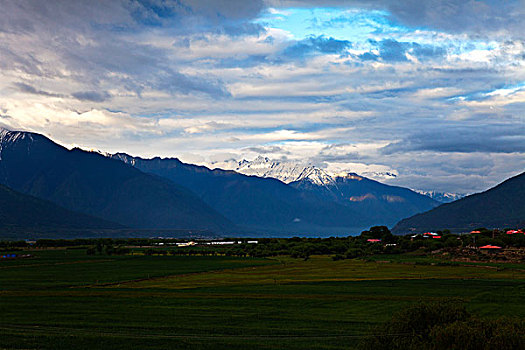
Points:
[90,183]
[270,205]
[261,204]
[382,204]
[499,207]
[23,213]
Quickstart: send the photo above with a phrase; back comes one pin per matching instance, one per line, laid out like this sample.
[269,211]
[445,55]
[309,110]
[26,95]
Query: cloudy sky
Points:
[431,90]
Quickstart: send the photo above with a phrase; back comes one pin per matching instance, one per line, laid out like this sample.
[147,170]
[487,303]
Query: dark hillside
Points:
[499,207]
[90,183]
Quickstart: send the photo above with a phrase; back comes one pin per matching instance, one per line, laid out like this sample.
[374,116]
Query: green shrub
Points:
[444,326]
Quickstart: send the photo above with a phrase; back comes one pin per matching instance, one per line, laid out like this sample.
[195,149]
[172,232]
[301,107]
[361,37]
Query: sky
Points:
[430,90]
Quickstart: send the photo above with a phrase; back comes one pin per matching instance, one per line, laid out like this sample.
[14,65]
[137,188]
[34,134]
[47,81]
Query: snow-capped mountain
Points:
[8,137]
[310,198]
[287,172]
[443,197]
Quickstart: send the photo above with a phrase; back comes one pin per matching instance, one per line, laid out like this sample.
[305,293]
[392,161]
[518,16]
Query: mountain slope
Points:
[384,204]
[266,205]
[23,213]
[90,183]
[315,204]
[378,203]
[499,207]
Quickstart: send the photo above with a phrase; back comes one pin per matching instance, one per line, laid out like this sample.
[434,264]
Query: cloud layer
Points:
[431,90]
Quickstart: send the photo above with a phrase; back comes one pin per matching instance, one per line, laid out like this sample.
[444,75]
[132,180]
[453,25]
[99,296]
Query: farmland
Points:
[64,298]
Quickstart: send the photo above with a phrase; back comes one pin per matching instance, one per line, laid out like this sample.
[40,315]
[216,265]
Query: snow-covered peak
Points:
[316,176]
[258,163]
[287,172]
[8,136]
[443,197]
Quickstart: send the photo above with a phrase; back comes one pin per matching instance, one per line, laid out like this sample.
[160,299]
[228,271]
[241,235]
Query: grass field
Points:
[64,299]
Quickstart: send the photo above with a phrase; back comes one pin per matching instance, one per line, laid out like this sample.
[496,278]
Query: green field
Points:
[65,299]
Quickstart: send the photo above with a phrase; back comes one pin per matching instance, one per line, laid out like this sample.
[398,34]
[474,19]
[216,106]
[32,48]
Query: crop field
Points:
[64,299]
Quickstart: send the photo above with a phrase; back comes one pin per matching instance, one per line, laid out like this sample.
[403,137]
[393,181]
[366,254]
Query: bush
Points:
[353,253]
[410,329]
[445,325]
[479,334]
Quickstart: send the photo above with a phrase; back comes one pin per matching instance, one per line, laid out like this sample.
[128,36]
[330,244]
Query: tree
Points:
[445,325]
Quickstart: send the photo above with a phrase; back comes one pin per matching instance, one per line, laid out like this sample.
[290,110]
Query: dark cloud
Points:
[463,139]
[174,82]
[238,29]
[391,50]
[23,87]
[224,9]
[127,14]
[474,17]
[93,96]
[462,16]
[319,44]
[91,42]
[245,61]
[388,93]
[267,149]
[220,16]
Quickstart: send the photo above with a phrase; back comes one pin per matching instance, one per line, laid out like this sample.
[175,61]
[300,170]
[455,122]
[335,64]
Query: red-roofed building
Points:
[436,236]
[373,240]
[430,234]
[475,231]
[511,232]
[488,246]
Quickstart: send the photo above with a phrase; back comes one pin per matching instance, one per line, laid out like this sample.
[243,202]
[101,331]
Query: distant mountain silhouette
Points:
[267,204]
[260,204]
[90,183]
[23,213]
[380,203]
[377,202]
[499,207]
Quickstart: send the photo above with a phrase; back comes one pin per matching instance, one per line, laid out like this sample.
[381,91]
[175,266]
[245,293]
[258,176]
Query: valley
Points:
[62,298]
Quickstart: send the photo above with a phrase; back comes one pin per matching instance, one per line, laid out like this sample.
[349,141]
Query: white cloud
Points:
[207,87]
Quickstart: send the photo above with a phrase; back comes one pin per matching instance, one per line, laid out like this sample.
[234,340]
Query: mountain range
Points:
[378,202]
[48,187]
[499,207]
[256,204]
[314,202]
[286,172]
[95,185]
[290,172]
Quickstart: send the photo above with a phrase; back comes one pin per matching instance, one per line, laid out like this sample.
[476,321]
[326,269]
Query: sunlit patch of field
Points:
[323,269]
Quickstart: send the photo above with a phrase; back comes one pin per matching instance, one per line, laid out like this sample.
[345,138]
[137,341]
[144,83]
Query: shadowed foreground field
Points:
[63,299]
